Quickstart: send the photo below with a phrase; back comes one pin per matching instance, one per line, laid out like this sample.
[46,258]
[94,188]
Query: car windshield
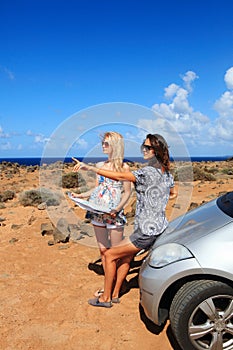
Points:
[225,203]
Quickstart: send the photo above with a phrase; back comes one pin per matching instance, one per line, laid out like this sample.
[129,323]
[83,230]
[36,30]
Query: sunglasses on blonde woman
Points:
[105,144]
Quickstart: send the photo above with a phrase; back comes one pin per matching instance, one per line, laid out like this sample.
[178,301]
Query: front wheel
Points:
[201,316]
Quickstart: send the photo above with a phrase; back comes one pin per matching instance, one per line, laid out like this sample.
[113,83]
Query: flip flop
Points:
[96,302]
[98,293]
[116,300]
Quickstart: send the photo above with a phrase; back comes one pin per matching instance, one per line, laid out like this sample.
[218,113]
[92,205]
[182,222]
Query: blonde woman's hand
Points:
[76,195]
[113,213]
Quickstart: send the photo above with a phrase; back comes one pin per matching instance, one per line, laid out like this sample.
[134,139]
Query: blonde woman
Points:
[111,194]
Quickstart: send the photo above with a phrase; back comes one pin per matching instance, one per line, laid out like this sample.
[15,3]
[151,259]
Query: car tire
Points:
[201,316]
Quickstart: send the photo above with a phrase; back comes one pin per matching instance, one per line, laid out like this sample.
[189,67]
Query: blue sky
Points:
[61,59]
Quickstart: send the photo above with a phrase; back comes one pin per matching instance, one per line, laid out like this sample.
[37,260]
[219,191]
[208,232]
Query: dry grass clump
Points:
[6,195]
[227,171]
[37,196]
[200,174]
[188,173]
[72,180]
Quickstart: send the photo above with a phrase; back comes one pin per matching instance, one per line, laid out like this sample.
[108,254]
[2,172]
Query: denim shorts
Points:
[141,241]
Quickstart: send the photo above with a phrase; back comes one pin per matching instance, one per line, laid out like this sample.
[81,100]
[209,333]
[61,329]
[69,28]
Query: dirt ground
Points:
[44,289]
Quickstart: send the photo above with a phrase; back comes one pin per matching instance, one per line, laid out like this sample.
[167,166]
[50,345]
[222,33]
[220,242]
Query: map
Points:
[84,204]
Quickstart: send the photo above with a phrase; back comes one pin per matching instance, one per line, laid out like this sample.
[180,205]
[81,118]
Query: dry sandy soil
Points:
[44,289]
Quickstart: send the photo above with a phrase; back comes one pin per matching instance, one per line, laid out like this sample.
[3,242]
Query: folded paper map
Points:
[84,204]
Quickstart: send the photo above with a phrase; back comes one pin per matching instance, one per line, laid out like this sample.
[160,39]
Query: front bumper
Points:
[154,282]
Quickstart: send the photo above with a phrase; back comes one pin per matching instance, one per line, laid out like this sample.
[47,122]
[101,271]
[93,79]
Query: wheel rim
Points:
[211,324]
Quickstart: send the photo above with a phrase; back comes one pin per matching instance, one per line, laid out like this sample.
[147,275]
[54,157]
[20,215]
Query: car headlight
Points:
[167,254]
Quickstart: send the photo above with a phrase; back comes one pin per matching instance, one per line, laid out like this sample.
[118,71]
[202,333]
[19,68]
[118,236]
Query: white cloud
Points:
[229,78]
[188,78]
[5,146]
[82,144]
[223,129]
[179,111]
[40,139]
[224,105]
[171,90]
[201,134]
[8,73]
[3,135]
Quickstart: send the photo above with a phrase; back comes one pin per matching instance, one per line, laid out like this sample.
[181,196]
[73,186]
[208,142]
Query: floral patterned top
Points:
[153,190]
[107,195]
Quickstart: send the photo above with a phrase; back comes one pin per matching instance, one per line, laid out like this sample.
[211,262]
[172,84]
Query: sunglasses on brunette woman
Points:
[146,147]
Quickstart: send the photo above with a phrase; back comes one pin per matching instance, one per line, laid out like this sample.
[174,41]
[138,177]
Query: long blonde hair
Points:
[116,141]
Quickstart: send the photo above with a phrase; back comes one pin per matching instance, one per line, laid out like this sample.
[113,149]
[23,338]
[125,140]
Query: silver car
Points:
[187,277]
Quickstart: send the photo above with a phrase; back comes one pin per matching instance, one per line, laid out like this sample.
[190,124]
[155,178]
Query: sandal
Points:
[96,302]
[116,300]
[98,293]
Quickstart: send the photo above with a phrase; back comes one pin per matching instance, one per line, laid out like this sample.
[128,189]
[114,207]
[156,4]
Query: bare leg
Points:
[124,249]
[123,267]
[116,236]
[101,234]
[106,238]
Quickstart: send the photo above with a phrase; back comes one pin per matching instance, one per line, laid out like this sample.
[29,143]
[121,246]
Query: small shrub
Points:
[227,171]
[91,174]
[192,173]
[38,196]
[84,188]
[184,173]
[211,170]
[30,198]
[199,174]
[8,194]
[72,180]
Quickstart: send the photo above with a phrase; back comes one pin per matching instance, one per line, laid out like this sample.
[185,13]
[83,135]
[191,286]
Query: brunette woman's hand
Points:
[173,193]
[79,165]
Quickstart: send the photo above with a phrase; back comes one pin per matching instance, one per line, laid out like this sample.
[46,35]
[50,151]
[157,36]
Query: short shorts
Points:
[108,226]
[141,241]
[106,220]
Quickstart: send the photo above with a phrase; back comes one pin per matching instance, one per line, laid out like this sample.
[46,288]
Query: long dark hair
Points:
[160,148]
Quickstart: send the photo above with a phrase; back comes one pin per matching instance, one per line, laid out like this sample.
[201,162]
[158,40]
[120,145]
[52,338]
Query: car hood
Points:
[195,224]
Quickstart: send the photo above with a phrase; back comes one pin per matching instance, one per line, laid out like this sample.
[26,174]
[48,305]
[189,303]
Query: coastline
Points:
[31,161]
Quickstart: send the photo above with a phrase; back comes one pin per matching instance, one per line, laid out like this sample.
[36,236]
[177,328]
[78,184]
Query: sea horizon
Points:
[31,161]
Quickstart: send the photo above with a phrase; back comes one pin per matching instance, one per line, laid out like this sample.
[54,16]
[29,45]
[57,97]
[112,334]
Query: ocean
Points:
[38,161]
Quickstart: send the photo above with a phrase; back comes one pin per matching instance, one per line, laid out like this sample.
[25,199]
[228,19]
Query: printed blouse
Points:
[153,190]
